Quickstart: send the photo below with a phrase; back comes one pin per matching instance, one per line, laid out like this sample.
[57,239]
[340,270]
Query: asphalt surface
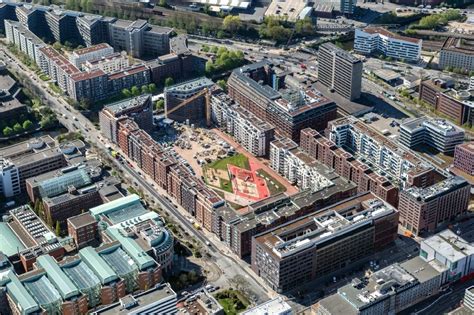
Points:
[73,120]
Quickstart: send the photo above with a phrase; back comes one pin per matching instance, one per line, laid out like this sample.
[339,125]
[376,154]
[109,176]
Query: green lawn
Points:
[232,301]
[44,77]
[238,160]
[55,88]
[274,186]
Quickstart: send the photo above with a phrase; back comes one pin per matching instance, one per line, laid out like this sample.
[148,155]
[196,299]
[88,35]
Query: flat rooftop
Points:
[382,31]
[81,220]
[190,86]
[450,245]
[441,188]
[441,126]
[459,45]
[119,107]
[275,306]
[289,9]
[90,49]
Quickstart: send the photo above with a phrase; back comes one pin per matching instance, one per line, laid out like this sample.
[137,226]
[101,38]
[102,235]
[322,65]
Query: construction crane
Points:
[205,92]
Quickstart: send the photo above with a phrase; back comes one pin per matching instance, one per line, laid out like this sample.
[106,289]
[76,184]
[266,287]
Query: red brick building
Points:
[83,229]
[464,158]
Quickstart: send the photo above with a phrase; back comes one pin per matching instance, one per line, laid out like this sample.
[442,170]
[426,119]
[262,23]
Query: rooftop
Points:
[441,126]
[382,31]
[436,190]
[98,265]
[66,288]
[43,291]
[450,245]
[81,220]
[190,86]
[119,210]
[119,261]
[123,106]
[80,274]
[459,45]
[341,52]
[275,306]
[93,48]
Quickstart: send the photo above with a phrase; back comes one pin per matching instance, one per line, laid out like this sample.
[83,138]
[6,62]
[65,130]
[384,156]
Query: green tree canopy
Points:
[135,91]
[126,93]
[17,128]
[169,81]
[232,23]
[27,124]
[7,131]
[152,88]
[160,104]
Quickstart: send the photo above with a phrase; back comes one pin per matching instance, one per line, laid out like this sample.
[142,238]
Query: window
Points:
[423,254]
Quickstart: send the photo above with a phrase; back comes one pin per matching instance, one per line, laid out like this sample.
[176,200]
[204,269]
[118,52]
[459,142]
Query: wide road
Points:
[73,120]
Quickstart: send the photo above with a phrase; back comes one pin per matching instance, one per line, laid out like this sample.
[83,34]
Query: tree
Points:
[205,48]
[222,84]
[17,128]
[169,81]
[126,93]
[135,91]
[145,89]
[27,124]
[232,23]
[58,228]
[152,88]
[7,131]
[162,3]
[160,104]
[57,45]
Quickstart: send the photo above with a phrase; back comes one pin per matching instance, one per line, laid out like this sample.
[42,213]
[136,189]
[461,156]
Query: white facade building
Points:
[80,56]
[9,179]
[377,40]
[25,40]
[109,64]
[277,306]
[248,130]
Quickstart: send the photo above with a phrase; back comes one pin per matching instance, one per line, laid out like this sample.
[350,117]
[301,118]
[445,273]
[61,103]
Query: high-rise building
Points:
[318,244]
[340,71]
[377,40]
[439,134]
[423,210]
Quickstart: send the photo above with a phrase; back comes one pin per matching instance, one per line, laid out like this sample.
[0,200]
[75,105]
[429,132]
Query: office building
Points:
[386,291]
[319,244]
[159,300]
[83,229]
[464,158]
[297,167]
[31,158]
[248,130]
[80,56]
[339,71]
[377,40]
[138,38]
[176,94]
[455,104]
[25,237]
[467,306]
[438,134]
[277,306]
[400,165]
[10,106]
[457,53]
[139,108]
[424,210]
[349,166]
[269,93]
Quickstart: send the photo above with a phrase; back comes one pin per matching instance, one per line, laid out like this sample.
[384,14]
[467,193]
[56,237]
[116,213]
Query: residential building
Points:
[248,130]
[319,244]
[386,291]
[269,93]
[31,158]
[159,300]
[349,166]
[438,134]
[26,41]
[178,65]
[455,104]
[25,237]
[205,304]
[457,53]
[110,63]
[94,29]
[400,165]
[464,158]
[139,108]
[83,229]
[339,71]
[80,56]
[176,94]
[452,251]
[297,167]
[424,210]
[62,26]
[57,67]
[377,40]
[277,306]
[89,86]
[135,75]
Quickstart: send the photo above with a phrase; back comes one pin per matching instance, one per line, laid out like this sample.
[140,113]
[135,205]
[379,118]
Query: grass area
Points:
[274,186]
[44,77]
[238,160]
[232,301]
[55,88]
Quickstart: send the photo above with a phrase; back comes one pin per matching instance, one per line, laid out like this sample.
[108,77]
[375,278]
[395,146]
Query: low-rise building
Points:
[204,304]
[377,40]
[319,244]
[439,134]
[386,291]
[277,306]
[83,229]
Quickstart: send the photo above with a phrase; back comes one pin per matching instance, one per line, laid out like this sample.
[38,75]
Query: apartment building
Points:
[268,94]
[386,291]
[63,27]
[83,228]
[94,29]
[455,104]
[26,41]
[57,67]
[248,130]
[377,40]
[109,64]
[31,158]
[90,86]
[340,71]
[457,53]
[464,158]
[400,165]
[139,108]
[176,94]
[424,210]
[80,56]
[348,166]
[438,134]
[177,65]
[317,245]
[297,167]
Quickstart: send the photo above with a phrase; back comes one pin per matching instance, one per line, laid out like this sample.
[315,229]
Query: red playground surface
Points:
[247,184]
